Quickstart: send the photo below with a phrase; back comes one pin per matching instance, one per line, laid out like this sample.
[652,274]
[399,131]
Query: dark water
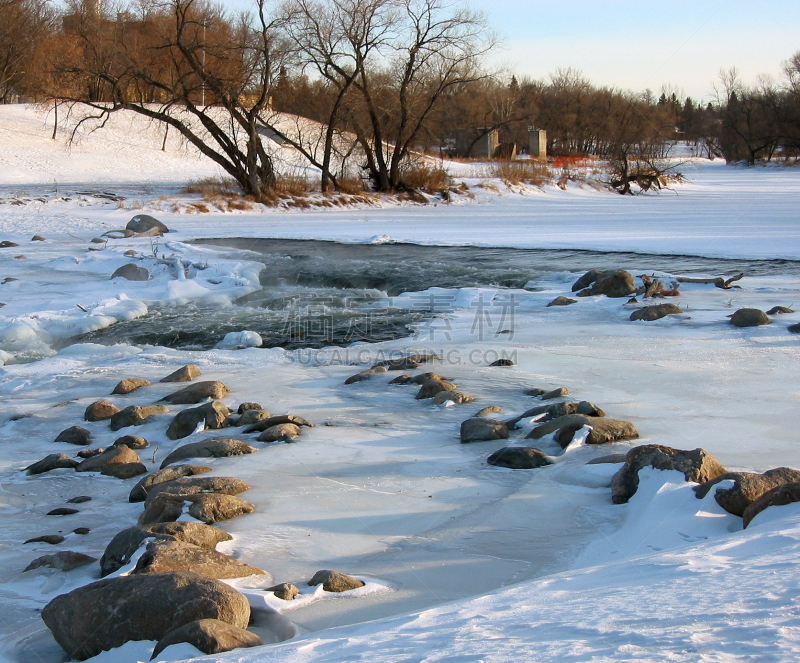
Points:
[318,293]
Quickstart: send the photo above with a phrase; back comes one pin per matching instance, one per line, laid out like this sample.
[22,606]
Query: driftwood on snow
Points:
[719,281]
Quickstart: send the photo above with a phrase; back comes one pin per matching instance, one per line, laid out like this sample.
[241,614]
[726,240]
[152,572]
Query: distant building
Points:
[537,143]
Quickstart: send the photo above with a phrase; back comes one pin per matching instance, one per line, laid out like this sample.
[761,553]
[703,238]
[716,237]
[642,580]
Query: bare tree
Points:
[187,65]
[24,25]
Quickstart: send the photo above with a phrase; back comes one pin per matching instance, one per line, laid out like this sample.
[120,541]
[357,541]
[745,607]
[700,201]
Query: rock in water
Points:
[519,458]
[433,387]
[184,374]
[140,490]
[142,223]
[478,429]
[52,462]
[747,487]
[563,301]
[333,581]
[138,607]
[131,272]
[74,435]
[197,392]
[135,415]
[286,591]
[210,636]
[611,283]
[216,447]
[280,433]
[656,312]
[66,560]
[200,484]
[130,384]
[586,280]
[164,555]
[112,456]
[750,317]
[100,411]
[212,508]
[698,466]
[212,415]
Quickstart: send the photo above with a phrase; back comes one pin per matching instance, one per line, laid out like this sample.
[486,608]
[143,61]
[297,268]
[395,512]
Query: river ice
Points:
[463,561]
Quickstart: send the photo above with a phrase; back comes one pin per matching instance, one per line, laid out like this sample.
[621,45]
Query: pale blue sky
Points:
[640,44]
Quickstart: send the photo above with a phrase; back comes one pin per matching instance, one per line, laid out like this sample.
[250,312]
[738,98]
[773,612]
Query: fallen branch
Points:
[719,281]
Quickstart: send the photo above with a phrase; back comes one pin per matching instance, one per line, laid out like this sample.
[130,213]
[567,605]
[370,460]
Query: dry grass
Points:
[522,172]
[351,185]
[424,177]
[210,187]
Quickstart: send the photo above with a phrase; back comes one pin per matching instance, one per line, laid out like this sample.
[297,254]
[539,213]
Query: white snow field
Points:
[462,561]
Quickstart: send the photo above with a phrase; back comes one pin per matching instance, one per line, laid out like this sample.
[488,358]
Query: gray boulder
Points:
[210,636]
[519,458]
[697,466]
[66,560]
[777,310]
[213,416]
[142,223]
[333,581]
[164,508]
[747,487]
[164,555]
[74,435]
[250,417]
[135,415]
[199,484]
[198,392]
[750,317]
[130,384]
[586,280]
[131,272]
[114,611]
[779,496]
[52,462]
[655,312]
[184,374]
[794,329]
[216,447]
[141,489]
[478,429]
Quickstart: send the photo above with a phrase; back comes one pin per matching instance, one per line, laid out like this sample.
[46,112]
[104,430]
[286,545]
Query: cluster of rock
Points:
[172,593]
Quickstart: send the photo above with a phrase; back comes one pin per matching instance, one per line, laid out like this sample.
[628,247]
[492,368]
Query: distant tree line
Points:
[384,80]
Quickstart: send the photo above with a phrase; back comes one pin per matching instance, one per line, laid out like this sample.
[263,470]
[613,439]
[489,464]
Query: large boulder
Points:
[211,508]
[213,416]
[216,447]
[778,496]
[433,387]
[106,614]
[333,581]
[142,223]
[478,429]
[210,636]
[556,410]
[66,560]
[163,555]
[251,417]
[198,534]
[130,384]
[135,415]
[200,484]
[519,458]
[697,466]
[132,442]
[747,487]
[750,317]
[164,508]
[198,392]
[140,490]
[131,272]
[52,462]
[74,435]
[121,455]
[603,429]
[611,283]
[183,374]
[586,280]
[124,470]
[100,411]
[655,312]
